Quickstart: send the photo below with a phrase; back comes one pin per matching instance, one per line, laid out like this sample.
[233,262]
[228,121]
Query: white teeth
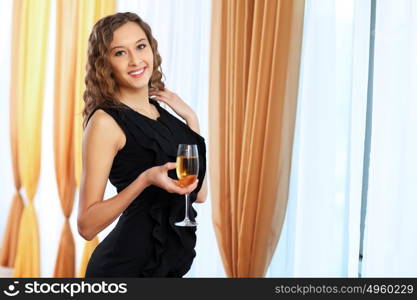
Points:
[137,72]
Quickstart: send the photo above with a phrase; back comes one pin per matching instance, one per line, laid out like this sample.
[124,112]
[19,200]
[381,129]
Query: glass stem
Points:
[187,200]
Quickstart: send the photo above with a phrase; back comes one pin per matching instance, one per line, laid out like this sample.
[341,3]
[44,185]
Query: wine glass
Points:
[187,172]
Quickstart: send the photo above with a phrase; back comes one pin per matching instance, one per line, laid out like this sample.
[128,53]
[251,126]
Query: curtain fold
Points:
[9,246]
[65,59]
[88,250]
[88,13]
[32,42]
[255,58]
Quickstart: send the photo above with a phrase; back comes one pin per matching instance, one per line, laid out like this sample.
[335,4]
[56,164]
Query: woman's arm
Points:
[102,140]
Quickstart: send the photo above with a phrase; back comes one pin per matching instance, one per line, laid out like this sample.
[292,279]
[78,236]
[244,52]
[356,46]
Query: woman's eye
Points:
[119,53]
[141,46]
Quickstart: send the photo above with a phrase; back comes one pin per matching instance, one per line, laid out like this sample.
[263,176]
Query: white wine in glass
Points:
[187,172]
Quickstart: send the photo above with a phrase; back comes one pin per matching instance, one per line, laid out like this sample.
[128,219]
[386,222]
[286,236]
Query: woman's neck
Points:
[134,98]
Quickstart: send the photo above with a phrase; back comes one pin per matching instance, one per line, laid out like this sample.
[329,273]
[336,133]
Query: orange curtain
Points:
[8,253]
[29,91]
[65,60]
[88,13]
[255,57]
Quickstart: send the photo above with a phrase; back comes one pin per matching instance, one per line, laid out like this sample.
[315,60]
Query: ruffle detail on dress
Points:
[156,266]
[159,236]
[148,137]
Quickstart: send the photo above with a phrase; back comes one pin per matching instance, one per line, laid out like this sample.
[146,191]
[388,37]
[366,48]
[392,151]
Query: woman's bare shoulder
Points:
[103,127]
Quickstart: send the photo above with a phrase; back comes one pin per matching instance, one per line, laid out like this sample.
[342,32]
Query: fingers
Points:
[170,165]
[175,187]
[178,189]
[192,187]
[161,97]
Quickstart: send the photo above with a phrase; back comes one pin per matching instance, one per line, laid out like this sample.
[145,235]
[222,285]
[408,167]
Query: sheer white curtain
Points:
[321,231]
[390,246]
[182,29]
[6,177]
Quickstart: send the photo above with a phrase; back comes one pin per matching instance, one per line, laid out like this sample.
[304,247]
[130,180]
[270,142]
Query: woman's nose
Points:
[134,59]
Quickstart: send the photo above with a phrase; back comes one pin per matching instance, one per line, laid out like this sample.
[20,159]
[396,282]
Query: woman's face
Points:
[131,57]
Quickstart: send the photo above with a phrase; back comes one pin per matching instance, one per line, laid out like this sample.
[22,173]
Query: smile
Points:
[137,73]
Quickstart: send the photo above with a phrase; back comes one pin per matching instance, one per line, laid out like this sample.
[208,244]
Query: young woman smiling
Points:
[132,141]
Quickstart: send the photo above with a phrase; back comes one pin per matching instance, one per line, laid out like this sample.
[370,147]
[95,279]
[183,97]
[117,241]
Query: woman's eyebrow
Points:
[142,39]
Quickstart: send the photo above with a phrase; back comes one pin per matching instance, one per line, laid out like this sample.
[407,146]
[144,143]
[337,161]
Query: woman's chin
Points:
[135,87]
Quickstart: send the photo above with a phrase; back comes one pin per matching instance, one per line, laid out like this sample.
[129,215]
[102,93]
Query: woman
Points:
[132,141]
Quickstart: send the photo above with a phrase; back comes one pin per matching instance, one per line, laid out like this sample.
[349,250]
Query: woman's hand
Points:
[175,102]
[158,176]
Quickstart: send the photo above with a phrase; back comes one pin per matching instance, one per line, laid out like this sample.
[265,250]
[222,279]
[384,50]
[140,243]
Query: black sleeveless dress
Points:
[145,242]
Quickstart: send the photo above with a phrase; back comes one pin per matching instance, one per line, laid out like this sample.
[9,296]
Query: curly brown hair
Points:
[101,86]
